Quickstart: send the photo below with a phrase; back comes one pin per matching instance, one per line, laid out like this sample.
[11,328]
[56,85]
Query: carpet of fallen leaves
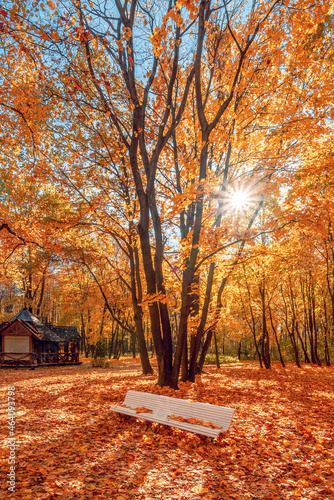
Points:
[280,444]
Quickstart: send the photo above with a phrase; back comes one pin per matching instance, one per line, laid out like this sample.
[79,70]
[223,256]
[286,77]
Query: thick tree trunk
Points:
[41,296]
[146,252]
[136,296]
[200,330]
[184,361]
[182,334]
[164,315]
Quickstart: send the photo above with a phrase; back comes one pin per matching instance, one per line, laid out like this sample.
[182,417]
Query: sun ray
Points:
[238,199]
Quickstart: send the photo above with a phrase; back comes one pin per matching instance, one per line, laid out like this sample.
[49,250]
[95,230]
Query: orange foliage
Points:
[194,421]
[121,165]
[143,409]
[279,446]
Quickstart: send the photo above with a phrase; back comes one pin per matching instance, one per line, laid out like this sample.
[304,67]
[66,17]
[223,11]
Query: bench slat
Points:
[199,429]
[162,406]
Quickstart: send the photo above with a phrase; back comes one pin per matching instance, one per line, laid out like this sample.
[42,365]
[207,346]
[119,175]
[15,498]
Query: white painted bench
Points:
[201,418]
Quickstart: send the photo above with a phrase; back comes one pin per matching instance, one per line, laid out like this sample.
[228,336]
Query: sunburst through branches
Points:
[238,198]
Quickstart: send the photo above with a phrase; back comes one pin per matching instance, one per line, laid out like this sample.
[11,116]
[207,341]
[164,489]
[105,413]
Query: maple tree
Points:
[279,444]
[166,174]
[139,133]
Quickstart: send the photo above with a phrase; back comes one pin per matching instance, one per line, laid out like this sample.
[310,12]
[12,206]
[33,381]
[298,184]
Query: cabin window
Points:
[17,344]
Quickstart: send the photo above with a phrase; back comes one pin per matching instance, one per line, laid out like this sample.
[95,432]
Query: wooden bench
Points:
[201,418]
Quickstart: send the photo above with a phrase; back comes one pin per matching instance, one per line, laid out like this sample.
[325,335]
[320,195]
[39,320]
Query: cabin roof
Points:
[42,331]
[67,333]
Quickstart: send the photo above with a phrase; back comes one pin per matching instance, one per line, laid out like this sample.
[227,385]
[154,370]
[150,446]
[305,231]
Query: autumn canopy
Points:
[166,176]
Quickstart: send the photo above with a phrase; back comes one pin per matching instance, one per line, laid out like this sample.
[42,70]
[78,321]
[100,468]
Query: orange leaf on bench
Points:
[142,409]
[194,421]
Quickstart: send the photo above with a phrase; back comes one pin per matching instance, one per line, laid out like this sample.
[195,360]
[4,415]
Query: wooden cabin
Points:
[26,341]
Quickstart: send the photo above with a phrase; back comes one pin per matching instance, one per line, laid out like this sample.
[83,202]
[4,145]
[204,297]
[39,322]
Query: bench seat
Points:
[216,418]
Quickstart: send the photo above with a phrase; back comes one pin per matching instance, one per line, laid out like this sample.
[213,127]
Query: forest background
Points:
[166,176]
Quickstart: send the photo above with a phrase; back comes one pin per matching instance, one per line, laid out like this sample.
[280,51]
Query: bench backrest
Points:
[163,406]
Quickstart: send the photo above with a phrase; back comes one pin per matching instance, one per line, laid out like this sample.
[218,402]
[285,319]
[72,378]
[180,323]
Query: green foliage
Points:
[100,363]
[211,359]
[101,349]
[100,354]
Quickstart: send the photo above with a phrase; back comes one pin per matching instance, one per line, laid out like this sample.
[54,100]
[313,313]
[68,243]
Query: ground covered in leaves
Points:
[280,444]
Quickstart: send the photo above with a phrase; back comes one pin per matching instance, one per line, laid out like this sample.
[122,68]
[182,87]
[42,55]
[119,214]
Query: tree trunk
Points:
[200,330]
[136,296]
[41,295]
[205,349]
[164,315]
[276,339]
[265,351]
[239,351]
[112,340]
[216,350]
[306,357]
[315,330]
[294,343]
